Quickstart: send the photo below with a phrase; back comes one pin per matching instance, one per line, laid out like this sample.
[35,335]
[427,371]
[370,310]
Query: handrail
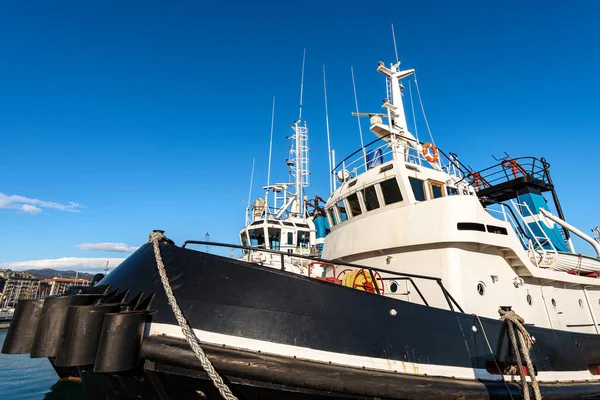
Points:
[450,162]
[358,151]
[283,254]
[514,218]
[532,167]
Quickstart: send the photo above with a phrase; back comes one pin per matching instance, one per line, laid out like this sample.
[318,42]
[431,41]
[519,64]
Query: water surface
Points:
[22,377]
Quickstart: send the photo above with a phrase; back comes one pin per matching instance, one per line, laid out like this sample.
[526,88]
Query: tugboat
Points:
[441,282]
[291,223]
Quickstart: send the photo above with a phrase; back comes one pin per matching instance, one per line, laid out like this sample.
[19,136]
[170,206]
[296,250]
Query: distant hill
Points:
[51,273]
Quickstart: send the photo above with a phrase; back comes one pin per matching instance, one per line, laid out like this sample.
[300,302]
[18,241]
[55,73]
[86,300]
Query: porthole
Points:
[580,303]
[393,287]
[553,303]
[481,288]
[529,299]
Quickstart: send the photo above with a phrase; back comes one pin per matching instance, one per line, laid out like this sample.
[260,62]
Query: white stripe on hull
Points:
[341,359]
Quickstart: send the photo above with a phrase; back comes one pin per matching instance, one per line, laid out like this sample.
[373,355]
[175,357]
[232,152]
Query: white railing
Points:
[359,164]
[366,157]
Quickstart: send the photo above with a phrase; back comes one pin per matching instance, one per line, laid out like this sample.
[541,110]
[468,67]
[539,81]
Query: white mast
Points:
[270,152]
[396,107]
[329,154]
[298,160]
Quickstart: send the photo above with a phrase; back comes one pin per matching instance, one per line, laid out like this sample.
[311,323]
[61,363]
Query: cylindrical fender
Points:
[23,326]
[51,329]
[82,332]
[120,341]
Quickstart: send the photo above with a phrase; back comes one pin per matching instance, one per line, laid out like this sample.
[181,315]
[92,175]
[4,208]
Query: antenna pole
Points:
[328,136]
[270,149]
[302,84]
[250,191]
[362,144]
[395,46]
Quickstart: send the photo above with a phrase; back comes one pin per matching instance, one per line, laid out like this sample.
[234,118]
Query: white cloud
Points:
[108,246]
[64,263]
[35,206]
[29,209]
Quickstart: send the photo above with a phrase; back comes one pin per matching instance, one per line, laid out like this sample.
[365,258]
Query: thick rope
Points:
[525,342]
[155,238]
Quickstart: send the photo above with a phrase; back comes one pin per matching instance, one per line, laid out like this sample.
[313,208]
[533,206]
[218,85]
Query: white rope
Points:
[525,342]
[412,108]
[155,238]
[423,109]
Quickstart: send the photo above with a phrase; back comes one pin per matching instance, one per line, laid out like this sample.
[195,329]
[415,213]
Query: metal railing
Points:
[509,169]
[506,213]
[372,271]
[383,150]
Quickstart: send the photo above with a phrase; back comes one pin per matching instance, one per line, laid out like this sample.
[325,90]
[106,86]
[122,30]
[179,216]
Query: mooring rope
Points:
[525,342]
[155,238]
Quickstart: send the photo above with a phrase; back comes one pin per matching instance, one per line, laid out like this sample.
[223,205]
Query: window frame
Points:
[377,197]
[393,178]
[411,179]
[349,208]
[431,183]
[337,210]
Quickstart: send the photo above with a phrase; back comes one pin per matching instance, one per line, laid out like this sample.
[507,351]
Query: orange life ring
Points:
[432,158]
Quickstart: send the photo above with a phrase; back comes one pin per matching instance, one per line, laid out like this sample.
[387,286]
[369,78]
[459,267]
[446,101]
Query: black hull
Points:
[240,300]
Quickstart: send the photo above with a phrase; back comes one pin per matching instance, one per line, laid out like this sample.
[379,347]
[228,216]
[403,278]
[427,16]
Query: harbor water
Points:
[22,377]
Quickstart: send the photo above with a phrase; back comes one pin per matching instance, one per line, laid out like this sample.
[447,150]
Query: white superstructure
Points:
[405,206]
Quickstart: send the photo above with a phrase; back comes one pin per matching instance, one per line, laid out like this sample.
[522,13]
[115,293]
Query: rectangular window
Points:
[257,237]
[333,216]
[470,226]
[497,230]
[451,191]
[341,210]
[417,187]
[370,197]
[290,238]
[386,168]
[303,239]
[391,191]
[244,239]
[354,205]
[437,189]
[274,238]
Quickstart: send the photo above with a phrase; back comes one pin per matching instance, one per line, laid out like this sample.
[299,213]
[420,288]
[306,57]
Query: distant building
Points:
[57,286]
[15,286]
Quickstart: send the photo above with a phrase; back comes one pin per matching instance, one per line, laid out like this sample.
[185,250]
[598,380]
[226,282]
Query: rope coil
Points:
[155,238]
[525,342]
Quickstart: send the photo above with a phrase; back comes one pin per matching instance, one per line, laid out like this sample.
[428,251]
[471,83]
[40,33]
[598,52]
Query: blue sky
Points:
[123,117]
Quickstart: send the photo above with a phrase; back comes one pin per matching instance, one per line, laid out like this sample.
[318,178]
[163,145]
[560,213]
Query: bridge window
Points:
[332,216]
[341,207]
[369,194]
[354,205]
[451,191]
[274,238]
[244,239]
[257,237]
[391,191]
[417,187]
[436,189]
[303,239]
